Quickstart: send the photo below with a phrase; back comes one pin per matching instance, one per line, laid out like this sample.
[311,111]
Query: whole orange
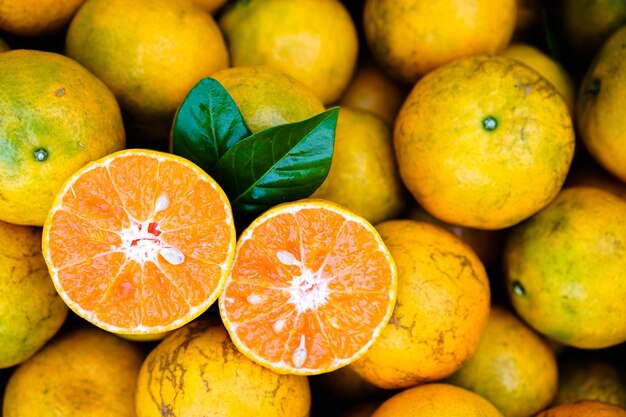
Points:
[411,37]
[36,18]
[484,142]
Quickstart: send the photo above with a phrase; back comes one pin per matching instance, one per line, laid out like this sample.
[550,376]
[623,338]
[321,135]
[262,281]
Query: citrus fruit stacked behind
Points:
[36,17]
[139,242]
[3,46]
[363,176]
[314,41]
[433,400]
[584,408]
[267,97]
[371,89]
[149,52]
[484,142]
[83,372]
[31,310]
[513,367]
[600,109]
[441,310]
[312,287]
[564,268]
[55,117]
[591,379]
[411,37]
[197,370]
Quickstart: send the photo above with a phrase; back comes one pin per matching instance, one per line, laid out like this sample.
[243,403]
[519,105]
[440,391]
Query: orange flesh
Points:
[309,290]
[140,242]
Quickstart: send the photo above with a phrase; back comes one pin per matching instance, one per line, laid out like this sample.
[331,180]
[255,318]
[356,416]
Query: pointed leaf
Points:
[207,124]
[278,164]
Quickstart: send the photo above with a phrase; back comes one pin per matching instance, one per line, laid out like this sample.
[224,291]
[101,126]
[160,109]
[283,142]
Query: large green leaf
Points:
[278,164]
[207,124]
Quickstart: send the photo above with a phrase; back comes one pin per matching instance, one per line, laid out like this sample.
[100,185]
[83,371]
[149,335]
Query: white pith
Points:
[308,291]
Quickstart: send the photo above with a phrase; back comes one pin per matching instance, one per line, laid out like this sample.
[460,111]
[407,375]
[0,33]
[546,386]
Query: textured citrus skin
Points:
[149,52]
[441,310]
[267,97]
[314,41]
[36,17]
[513,367]
[599,108]
[549,68]
[564,268]
[591,379]
[484,142]
[197,368]
[436,400]
[55,117]
[363,176]
[83,372]
[411,37]
[584,408]
[32,312]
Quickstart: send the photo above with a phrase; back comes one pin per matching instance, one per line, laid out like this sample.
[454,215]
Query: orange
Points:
[585,25]
[55,117]
[149,52]
[363,175]
[312,286]
[600,109]
[484,142]
[211,6]
[36,17]
[436,400]
[371,89]
[486,243]
[584,408]
[197,371]
[139,242]
[545,65]
[513,367]
[314,41]
[83,372]
[344,384]
[411,37]
[441,310]
[267,97]
[591,379]
[564,268]
[31,310]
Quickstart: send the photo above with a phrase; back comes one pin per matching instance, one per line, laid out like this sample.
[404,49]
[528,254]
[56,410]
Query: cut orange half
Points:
[139,242]
[311,289]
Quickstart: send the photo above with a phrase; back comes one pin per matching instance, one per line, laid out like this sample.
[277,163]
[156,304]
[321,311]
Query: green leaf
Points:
[278,164]
[207,124]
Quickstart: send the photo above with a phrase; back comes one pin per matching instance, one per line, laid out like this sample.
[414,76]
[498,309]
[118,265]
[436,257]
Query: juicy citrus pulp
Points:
[139,242]
[312,287]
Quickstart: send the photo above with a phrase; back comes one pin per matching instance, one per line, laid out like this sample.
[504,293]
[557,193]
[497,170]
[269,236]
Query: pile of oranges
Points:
[462,256]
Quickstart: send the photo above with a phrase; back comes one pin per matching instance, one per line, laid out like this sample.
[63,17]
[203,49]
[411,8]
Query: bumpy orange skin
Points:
[149,52]
[513,367]
[600,110]
[411,37]
[197,370]
[36,17]
[314,41]
[84,372]
[484,142]
[441,310]
[564,269]
[52,108]
[436,400]
[267,97]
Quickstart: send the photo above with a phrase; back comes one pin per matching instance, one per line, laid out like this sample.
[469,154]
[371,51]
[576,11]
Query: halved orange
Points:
[311,288]
[139,242]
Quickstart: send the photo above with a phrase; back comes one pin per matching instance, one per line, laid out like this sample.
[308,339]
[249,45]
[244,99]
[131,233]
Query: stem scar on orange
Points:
[139,242]
[311,288]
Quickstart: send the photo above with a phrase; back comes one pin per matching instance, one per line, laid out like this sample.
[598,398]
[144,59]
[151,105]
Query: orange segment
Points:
[139,242]
[311,288]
